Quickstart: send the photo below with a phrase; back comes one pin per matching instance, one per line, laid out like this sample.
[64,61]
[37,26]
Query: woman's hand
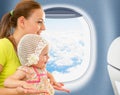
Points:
[29,89]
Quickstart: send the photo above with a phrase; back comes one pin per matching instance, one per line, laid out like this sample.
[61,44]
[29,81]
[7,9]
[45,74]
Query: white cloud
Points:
[68,45]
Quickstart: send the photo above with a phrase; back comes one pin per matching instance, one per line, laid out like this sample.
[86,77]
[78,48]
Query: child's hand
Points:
[59,86]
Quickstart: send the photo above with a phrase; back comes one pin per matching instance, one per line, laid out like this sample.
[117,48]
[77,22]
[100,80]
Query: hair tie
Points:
[11,12]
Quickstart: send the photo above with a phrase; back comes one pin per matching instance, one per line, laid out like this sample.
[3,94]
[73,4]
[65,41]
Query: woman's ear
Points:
[21,21]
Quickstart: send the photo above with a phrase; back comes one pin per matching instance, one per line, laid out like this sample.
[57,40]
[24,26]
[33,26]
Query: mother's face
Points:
[35,23]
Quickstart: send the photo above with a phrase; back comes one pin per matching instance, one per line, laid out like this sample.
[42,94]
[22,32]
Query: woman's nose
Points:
[43,26]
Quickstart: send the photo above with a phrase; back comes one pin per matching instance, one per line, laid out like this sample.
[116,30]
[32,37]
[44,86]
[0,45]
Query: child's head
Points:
[31,50]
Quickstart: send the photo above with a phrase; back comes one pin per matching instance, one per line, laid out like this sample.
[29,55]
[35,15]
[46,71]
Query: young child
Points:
[33,55]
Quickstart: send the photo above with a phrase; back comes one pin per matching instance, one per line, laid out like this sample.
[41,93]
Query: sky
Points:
[69,42]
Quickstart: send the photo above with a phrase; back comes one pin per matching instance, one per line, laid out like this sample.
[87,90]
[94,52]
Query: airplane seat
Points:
[113,59]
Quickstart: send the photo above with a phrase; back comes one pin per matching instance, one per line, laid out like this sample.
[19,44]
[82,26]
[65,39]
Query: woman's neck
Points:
[17,37]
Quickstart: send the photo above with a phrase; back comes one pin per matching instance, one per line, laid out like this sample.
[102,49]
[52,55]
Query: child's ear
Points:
[21,21]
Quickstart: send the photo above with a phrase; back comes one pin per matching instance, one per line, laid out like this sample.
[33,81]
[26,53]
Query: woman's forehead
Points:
[38,14]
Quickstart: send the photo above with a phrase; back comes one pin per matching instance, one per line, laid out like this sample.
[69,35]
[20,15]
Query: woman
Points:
[26,18]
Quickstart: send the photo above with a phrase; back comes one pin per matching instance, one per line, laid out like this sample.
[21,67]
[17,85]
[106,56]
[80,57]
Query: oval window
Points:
[69,36]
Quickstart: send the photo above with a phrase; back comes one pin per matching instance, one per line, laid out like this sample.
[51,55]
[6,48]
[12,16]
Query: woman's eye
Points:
[40,22]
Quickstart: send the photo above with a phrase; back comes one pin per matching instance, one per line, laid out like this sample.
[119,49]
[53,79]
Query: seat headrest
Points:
[113,56]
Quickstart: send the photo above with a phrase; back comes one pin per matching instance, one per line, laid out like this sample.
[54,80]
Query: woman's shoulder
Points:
[4,42]
[6,46]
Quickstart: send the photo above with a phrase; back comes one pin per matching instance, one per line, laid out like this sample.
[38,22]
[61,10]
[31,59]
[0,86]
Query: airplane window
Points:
[69,37]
